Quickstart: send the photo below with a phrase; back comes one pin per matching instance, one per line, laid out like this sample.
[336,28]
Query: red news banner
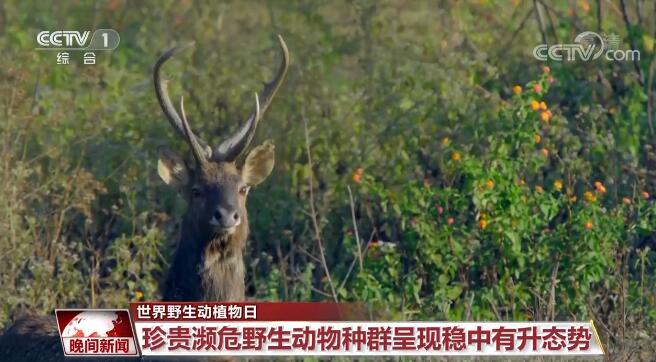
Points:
[331,329]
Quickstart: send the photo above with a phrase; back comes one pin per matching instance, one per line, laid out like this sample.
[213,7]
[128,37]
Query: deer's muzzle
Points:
[225,220]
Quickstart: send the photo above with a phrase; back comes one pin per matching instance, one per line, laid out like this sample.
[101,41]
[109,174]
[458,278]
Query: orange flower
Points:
[589,225]
[546,69]
[546,116]
[113,5]
[535,105]
[626,201]
[357,175]
[543,106]
[538,138]
[456,156]
[538,88]
[584,5]
[600,187]
[573,199]
[590,196]
[482,223]
[517,89]
[645,195]
[139,294]
[558,185]
[450,221]
[490,184]
[539,189]
[545,152]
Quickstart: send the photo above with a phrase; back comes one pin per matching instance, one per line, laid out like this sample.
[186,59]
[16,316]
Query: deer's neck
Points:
[222,269]
[208,267]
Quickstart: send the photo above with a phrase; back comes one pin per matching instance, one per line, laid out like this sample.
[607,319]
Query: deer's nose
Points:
[227,217]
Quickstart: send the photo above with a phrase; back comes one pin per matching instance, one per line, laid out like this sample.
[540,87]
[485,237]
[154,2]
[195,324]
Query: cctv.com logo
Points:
[587,46]
[102,39]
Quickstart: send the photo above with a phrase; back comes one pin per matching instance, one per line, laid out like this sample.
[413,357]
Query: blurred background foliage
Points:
[446,173]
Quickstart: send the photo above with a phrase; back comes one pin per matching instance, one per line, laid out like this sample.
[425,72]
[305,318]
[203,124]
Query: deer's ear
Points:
[259,164]
[172,168]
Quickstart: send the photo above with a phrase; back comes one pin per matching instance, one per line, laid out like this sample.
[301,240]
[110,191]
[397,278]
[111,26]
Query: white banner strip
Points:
[367,338]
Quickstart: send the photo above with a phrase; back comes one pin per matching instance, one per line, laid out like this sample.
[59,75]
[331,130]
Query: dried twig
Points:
[355,226]
[634,44]
[495,310]
[514,34]
[540,19]
[308,254]
[599,16]
[320,292]
[551,308]
[625,288]
[601,323]
[650,96]
[350,270]
[313,214]
[574,22]
[552,24]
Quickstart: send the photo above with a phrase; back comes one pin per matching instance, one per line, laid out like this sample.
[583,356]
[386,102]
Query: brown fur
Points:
[222,271]
[209,265]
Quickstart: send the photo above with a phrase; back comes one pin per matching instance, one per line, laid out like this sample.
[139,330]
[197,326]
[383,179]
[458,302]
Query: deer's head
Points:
[213,184]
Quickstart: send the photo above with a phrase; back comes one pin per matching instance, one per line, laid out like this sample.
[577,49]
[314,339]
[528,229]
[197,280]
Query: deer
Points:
[208,262]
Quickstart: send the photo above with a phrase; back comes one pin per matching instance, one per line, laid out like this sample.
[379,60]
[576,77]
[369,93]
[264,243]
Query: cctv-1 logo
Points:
[63,39]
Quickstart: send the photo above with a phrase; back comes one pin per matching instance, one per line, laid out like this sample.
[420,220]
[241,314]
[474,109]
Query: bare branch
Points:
[350,270]
[540,19]
[634,44]
[313,211]
[599,16]
[551,308]
[519,28]
[573,21]
[650,96]
[355,226]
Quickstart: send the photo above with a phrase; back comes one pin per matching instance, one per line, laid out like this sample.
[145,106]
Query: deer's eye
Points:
[196,192]
[243,190]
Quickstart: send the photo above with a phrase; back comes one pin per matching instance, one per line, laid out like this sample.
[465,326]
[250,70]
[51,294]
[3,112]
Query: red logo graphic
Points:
[88,332]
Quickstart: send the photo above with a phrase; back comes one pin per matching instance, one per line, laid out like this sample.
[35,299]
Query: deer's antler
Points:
[234,145]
